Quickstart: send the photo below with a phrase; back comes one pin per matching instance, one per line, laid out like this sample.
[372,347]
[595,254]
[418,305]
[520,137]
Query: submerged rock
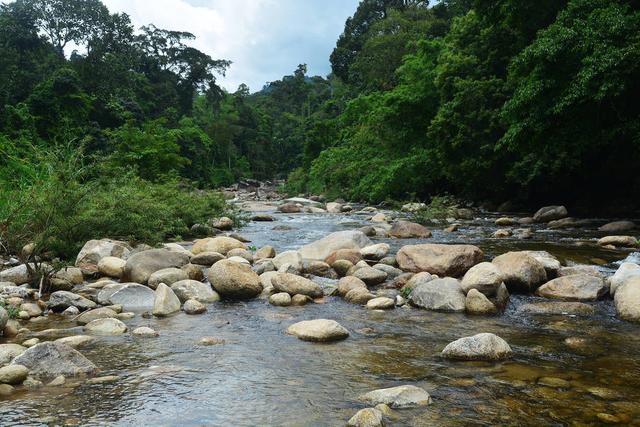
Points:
[484,346]
[145,332]
[367,417]
[318,330]
[557,308]
[404,396]
[440,259]
[51,359]
[8,352]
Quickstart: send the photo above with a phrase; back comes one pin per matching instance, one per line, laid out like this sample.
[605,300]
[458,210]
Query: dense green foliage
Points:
[529,101]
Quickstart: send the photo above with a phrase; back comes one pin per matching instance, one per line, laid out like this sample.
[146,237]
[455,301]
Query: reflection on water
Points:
[566,370]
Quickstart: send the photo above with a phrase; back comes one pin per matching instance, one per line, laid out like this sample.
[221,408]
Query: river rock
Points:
[77,341]
[223,223]
[4,318]
[484,277]
[375,252]
[483,346]
[392,272]
[281,299]
[349,283]
[580,269]
[241,253]
[321,249]
[506,221]
[221,244]
[550,213]
[381,303]
[66,278]
[97,313]
[557,308]
[165,302]
[94,250]
[289,208]
[408,230]
[550,263]
[8,352]
[371,276]
[192,289]
[617,227]
[140,266]
[440,259]
[352,255]
[520,271]
[133,297]
[193,306]
[333,207]
[266,251]
[207,258]
[578,287]
[477,303]
[318,330]
[300,300]
[145,332]
[13,374]
[359,296]
[293,258]
[627,300]
[17,275]
[60,300]
[292,284]
[234,280]
[619,241]
[51,359]
[262,218]
[168,276]
[623,274]
[416,279]
[439,295]
[367,417]
[111,266]
[404,396]
[105,326]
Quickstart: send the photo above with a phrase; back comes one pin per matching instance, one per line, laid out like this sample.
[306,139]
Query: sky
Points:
[265,39]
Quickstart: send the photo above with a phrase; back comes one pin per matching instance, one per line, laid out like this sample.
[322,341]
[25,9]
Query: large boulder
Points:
[520,271]
[407,230]
[318,330]
[221,244]
[234,280]
[617,227]
[619,241]
[166,302]
[168,276]
[140,266]
[404,396]
[483,346]
[439,295]
[440,259]
[321,249]
[484,277]
[94,250]
[292,284]
[112,266]
[18,275]
[550,263]
[624,273]
[51,359]
[61,300]
[550,213]
[133,297]
[192,289]
[577,287]
[627,300]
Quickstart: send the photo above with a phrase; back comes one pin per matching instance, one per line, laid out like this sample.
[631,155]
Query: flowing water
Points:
[261,376]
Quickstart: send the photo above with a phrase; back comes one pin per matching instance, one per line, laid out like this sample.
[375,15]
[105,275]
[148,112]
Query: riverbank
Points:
[563,367]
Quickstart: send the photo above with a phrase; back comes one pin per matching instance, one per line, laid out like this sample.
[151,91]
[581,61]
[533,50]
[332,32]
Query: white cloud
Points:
[265,39]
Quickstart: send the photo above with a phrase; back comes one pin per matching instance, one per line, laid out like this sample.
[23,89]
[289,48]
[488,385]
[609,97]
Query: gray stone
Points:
[192,289]
[318,330]
[165,302]
[107,326]
[133,297]
[9,351]
[520,271]
[623,274]
[60,300]
[483,346]
[371,276]
[193,306]
[578,287]
[207,258]
[234,280]
[440,259]
[439,295]
[408,230]
[557,308]
[140,266]
[404,396]
[550,213]
[381,303]
[50,359]
[627,300]
[367,417]
[484,277]
[292,284]
[95,250]
[168,276]
[13,374]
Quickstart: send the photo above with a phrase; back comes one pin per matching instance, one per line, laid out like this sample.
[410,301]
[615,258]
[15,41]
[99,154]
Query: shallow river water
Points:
[261,376]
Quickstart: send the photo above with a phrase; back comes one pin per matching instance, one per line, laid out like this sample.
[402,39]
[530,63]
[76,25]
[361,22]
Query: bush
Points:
[60,203]
[440,207]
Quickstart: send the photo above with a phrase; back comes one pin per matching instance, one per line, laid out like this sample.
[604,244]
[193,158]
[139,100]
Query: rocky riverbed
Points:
[332,314]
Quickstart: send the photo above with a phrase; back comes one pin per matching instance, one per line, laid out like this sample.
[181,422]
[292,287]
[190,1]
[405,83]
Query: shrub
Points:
[440,207]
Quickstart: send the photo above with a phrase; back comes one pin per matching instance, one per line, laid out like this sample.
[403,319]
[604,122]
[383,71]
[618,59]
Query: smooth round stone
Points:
[281,299]
[107,326]
[318,330]
[381,303]
[31,342]
[192,306]
[145,332]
